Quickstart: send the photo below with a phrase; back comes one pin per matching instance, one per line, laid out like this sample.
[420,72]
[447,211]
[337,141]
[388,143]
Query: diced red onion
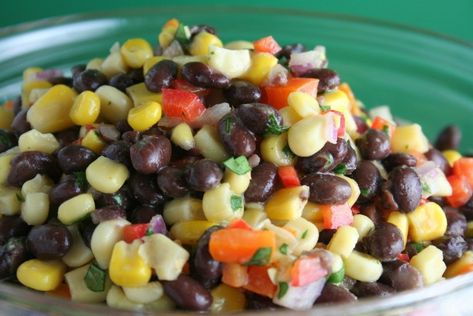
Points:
[48,74]
[433,180]
[157,225]
[299,63]
[302,297]
[212,115]
[173,50]
[331,131]
[169,122]
[277,76]
[107,213]
[254,160]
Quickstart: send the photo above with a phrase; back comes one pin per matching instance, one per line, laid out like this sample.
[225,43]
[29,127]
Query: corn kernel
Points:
[93,141]
[362,267]
[427,222]
[409,137]
[312,212]
[9,200]
[303,104]
[41,275]
[50,113]
[401,221]
[117,299]
[307,136]
[343,241]
[238,182]
[339,101]
[363,224]
[451,156]
[114,104]
[240,45]
[287,204]
[86,108]
[39,183]
[355,190]
[189,232]
[166,36]
[207,141]
[289,116]
[95,63]
[306,234]
[231,63]
[5,166]
[261,64]
[182,136]
[30,86]
[113,64]
[181,60]
[430,264]
[143,117]
[254,217]
[136,51]
[105,236]
[141,95]
[76,208]
[150,62]
[37,141]
[79,290]
[144,294]
[275,149]
[106,175]
[283,237]
[79,254]
[127,267]
[218,204]
[227,299]
[35,208]
[201,43]
[6,117]
[163,304]
[183,209]
[460,266]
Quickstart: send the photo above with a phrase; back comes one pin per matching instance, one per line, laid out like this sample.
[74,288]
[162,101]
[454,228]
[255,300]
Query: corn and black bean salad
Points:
[201,176]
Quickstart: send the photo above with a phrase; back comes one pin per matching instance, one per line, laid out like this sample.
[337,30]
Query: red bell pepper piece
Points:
[383,125]
[239,223]
[267,45]
[307,270]
[403,257]
[277,95]
[335,216]
[181,84]
[259,281]
[288,176]
[134,231]
[461,190]
[182,104]
[464,167]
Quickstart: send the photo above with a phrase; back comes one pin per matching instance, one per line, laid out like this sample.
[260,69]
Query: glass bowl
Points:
[424,77]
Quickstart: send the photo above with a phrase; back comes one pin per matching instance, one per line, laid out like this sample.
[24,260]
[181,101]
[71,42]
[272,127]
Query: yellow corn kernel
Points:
[93,141]
[427,222]
[86,108]
[167,267]
[303,104]
[430,264]
[50,113]
[254,217]
[30,86]
[144,294]
[201,43]
[6,117]
[143,117]
[5,166]
[105,236]
[338,101]
[451,156]
[167,33]
[117,299]
[306,234]
[79,290]
[35,208]
[460,266]
[408,138]
[337,262]
[240,45]
[312,212]
[355,189]
[9,200]
[79,254]
[136,51]
[76,208]
[238,182]
[114,104]
[227,299]
[41,275]
[189,232]
[287,204]
[95,63]
[343,241]
[39,183]
[362,267]
[33,140]
[181,60]
[231,63]
[401,221]
[127,267]
[275,149]
[140,94]
[183,209]
[207,141]
[182,136]
[283,236]
[363,224]
[150,62]
[261,64]
[106,175]
[289,116]
[35,94]
[307,136]
[113,64]
[221,204]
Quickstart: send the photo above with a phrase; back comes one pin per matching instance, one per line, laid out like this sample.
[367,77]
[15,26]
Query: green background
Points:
[453,18]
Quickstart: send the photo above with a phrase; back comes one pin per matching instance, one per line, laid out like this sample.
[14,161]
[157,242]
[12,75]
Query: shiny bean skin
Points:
[241,92]
[398,159]
[371,211]
[118,151]
[89,79]
[327,188]
[122,199]
[439,159]
[350,161]
[456,222]
[201,75]
[121,81]
[73,158]
[187,293]
[123,127]
[257,116]
[258,302]
[136,75]
[131,137]
[374,145]
[238,140]
[287,50]
[49,241]
[196,29]
[368,178]
[64,190]
[151,154]
[12,254]
[107,213]
[361,126]
[203,175]
[467,209]
[20,125]
[369,289]
[406,188]
[7,140]
[326,235]
[328,79]
[145,190]
[142,214]
[384,242]
[86,229]
[77,69]
[67,81]
[452,247]
[263,182]
[12,226]
[26,165]
[171,182]
[161,75]
[325,159]
[401,276]
[448,138]
[204,268]
[385,201]
[335,294]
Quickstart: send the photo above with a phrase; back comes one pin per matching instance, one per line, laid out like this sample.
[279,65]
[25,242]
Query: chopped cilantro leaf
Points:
[283,288]
[118,198]
[283,249]
[288,152]
[340,169]
[6,140]
[426,188]
[386,129]
[261,257]
[273,126]
[228,124]
[236,202]
[20,197]
[238,165]
[304,234]
[324,108]
[95,278]
[81,179]
[337,277]
[364,192]
[183,35]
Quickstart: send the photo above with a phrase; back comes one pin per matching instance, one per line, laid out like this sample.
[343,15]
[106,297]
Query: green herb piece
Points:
[236,202]
[426,188]
[340,169]
[80,179]
[324,108]
[283,288]
[337,277]
[238,165]
[283,249]
[417,246]
[183,35]
[149,231]
[304,234]
[228,124]
[95,278]
[261,257]
[273,126]
[288,152]
[118,198]
[329,161]
[386,129]
[20,197]
[365,192]
[5,139]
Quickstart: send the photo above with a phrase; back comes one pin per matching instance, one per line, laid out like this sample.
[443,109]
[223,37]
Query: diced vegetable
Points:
[134,231]
[231,63]
[266,45]
[430,264]
[288,203]
[335,216]
[288,176]
[277,96]
[259,281]
[182,104]
[461,190]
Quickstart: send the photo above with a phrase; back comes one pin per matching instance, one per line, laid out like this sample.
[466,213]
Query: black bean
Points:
[350,161]
[204,268]
[215,96]
[67,188]
[370,211]
[201,75]
[452,247]
[161,75]
[467,209]
[118,151]
[385,201]
[171,182]
[7,140]
[67,81]
[258,302]
[123,126]
[150,154]
[398,159]
[122,198]
[438,199]
[143,214]
[12,226]
[328,79]
[326,159]
[49,241]
[287,50]
[121,81]
[107,213]
[401,276]
[196,29]
[73,158]
[374,145]
[406,188]
[240,92]
[77,69]
[258,117]
[238,140]
[384,242]
[439,159]
[145,189]
[369,289]
[26,165]
[20,124]
[448,138]
[136,75]
[326,235]
[456,222]
[368,178]
[335,294]
[187,293]
[361,126]
[12,254]
[203,175]
[86,229]
[90,79]
[67,136]
[327,188]
[263,182]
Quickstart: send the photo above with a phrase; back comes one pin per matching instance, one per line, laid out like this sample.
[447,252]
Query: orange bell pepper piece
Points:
[276,96]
